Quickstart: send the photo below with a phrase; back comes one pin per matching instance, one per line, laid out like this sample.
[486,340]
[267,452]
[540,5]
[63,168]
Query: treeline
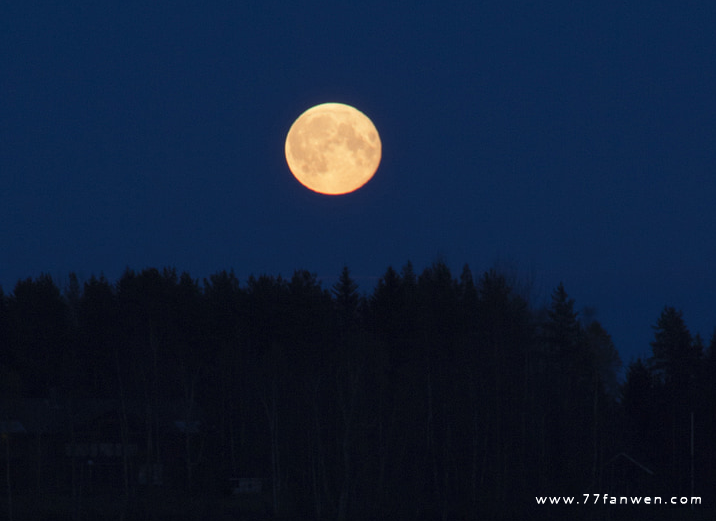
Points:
[433,397]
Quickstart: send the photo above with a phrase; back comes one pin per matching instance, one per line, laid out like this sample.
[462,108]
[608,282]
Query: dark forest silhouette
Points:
[433,397]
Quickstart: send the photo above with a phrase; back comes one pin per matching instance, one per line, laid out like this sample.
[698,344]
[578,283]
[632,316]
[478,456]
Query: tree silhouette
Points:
[569,408]
[98,332]
[674,363]
[39,333]
[675,355]
[431,396]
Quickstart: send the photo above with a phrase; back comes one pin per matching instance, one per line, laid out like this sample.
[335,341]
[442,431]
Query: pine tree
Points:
[347,300]
[569,389]
[674,361]
[675,355]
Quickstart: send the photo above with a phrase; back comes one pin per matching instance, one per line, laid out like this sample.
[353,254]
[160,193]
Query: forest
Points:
[434,396]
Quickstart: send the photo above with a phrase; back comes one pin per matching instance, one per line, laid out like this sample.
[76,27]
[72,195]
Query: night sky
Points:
[568,141]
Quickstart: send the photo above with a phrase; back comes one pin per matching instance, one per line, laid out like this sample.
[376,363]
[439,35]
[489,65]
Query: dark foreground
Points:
[163,505]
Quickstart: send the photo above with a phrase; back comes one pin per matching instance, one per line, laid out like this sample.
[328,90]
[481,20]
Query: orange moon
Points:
[333,149]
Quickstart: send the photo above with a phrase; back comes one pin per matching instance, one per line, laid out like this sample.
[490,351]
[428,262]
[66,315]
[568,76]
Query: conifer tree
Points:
[675,355]
[674,362]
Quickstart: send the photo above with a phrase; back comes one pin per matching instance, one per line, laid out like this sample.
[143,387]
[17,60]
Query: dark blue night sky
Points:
[571,141]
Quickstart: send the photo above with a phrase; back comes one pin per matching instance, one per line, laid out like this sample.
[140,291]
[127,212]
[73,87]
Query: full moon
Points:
[333,149]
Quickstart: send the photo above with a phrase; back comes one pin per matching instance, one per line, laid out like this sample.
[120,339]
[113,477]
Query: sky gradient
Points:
[573,142]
